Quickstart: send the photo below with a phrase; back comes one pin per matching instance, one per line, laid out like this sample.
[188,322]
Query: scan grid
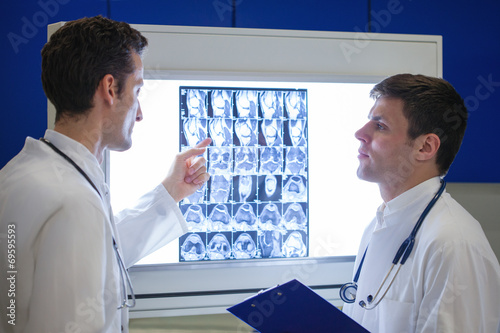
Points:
[255,204]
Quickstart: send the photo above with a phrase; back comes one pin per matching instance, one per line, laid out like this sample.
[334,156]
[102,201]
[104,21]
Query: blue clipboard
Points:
[293,308]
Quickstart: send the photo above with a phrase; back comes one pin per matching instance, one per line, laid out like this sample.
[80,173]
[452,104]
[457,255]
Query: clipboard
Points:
[293,308]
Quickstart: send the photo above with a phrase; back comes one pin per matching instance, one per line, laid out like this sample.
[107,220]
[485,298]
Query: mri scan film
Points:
[255,204]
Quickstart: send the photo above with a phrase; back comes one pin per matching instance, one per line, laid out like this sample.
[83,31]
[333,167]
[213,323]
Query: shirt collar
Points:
[78,153]
[418,195]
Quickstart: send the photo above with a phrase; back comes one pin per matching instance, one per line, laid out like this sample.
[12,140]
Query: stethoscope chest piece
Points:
[348,292]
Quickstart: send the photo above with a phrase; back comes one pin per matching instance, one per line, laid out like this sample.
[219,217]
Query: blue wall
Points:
[471,51]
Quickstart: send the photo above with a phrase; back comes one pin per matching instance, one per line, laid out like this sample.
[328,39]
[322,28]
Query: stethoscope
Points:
[124,276]
[348,290]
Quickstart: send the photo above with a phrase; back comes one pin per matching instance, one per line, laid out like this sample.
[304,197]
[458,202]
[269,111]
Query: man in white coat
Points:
[63,253]
[451,280]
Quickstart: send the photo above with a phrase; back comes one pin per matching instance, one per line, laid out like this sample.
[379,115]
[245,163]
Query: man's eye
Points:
[380,126]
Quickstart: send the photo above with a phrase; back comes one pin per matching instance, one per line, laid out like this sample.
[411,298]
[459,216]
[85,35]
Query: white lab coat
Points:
[451,281]
[67,277]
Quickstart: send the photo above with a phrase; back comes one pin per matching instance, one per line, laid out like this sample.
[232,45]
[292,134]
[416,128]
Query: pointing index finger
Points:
[196,150]
[203,143]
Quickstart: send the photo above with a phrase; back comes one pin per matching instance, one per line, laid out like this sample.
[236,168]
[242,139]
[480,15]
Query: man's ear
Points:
[428,146]
[107,89]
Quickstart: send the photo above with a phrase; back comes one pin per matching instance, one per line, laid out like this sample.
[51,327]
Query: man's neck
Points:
[83,130]
[391,191]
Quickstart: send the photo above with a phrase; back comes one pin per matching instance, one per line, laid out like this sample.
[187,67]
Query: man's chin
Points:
[124,146]
[363,175]
[360,173]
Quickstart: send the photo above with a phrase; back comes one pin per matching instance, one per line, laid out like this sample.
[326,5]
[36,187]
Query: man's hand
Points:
[188,172]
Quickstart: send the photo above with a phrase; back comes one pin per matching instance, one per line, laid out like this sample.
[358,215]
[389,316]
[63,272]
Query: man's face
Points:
[385,151]
[127,110]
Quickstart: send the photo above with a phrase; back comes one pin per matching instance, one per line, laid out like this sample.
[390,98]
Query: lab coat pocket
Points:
[399,314]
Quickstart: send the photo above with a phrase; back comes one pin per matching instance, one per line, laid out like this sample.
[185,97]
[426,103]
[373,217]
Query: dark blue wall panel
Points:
[471,50]
[471,55]
[216,13]
[23,31]
[301,15]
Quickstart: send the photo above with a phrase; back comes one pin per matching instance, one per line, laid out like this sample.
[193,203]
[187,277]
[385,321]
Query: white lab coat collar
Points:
[79,154]
[414,197]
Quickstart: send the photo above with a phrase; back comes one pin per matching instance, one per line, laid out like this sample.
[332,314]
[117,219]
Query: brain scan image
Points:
[196,103]
[295,102]
[294,245]
[192,248]
[222,103]
[221,131]
[271,129]
[270,217]
[295,189]
[219,247]
[244,247]
[296,130]
[246,131]
[246,103]
[245,160]
[294,217]
[221,160]
[271,104]
[219,219]
[195,130]
[270,244]
[195,218]
[220,186]
[255,204]
[271,160]
[245,218]
[296,160]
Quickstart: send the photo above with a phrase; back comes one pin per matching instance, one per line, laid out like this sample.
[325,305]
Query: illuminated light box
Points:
[300,200]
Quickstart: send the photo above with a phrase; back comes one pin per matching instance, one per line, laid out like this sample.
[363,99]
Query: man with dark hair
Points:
[99,46]
[450,278]
[71,253]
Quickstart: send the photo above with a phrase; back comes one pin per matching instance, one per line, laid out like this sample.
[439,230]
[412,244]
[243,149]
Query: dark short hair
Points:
[431,105]
[80,54]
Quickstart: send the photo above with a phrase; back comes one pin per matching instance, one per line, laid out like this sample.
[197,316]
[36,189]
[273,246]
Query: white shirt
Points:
[66,271]
[451,281]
